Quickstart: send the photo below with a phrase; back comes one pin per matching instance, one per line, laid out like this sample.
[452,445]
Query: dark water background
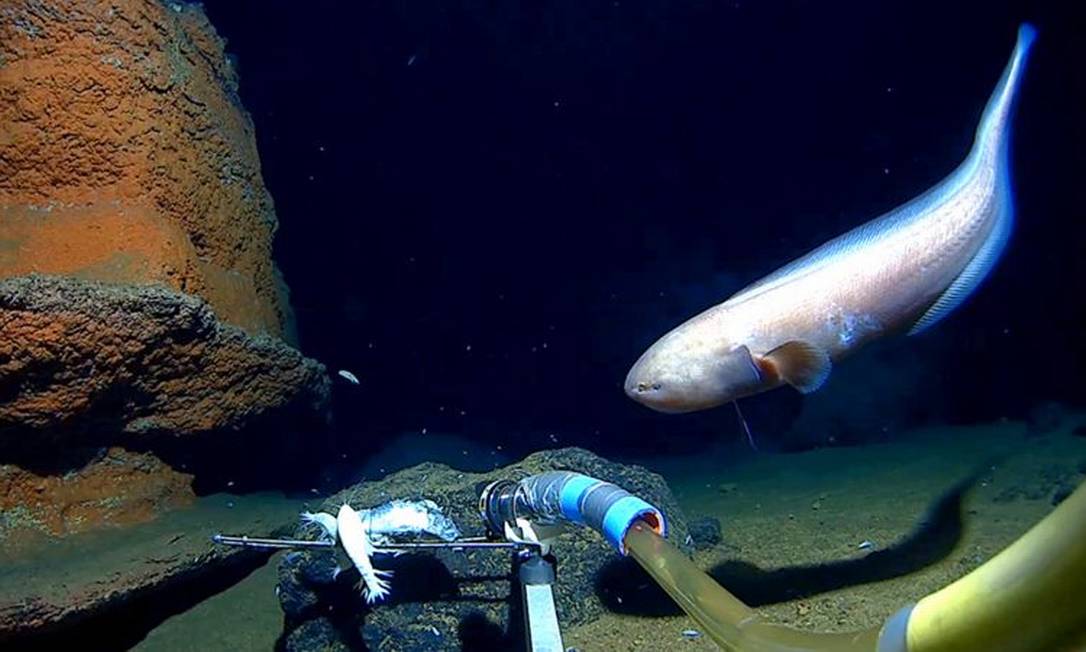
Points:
[554,185]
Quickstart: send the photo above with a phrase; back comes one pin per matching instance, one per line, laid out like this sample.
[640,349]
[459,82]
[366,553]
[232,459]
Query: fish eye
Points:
[656,386]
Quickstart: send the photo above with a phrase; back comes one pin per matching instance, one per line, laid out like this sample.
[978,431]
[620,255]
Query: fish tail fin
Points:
[993,131]
[993,140]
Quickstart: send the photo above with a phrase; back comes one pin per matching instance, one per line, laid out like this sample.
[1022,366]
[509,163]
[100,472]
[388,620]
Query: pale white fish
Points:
[343,373]
[413,517]
[360,549]
[901,272]
[326,522]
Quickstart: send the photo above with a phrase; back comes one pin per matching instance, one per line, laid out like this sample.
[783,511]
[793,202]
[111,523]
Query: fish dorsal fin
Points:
[975,271]
[800,364]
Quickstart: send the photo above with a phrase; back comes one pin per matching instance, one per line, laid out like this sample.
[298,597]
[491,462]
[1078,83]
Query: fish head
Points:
[678,374]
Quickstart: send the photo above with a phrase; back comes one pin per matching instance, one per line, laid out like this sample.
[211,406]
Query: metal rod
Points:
[258,542]
[452,545]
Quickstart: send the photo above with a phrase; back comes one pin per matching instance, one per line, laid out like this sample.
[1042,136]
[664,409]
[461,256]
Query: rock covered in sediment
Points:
[705,532]
[456,600]
[126,156]
[80,357]
[139,302]
[102,592]
[114,487]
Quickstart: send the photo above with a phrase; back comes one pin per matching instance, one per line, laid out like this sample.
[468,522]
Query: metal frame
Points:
[534,571]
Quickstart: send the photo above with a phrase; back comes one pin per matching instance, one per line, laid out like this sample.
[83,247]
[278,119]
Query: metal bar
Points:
[536,575]
[258,542]
[544,634]
[451,545]
[462,544]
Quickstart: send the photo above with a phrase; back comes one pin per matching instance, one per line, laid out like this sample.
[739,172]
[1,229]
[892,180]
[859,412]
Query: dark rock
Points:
[315,571]
[1049,483]
[1045,417]
[87,356]
[1055,474]
[87,365]
[1061,493]
[113,488]
[705,532]
[317,634]
[107,585]
[457,600]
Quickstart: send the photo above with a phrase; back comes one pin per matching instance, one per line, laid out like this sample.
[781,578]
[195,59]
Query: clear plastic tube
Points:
[734,626]
[1029,598]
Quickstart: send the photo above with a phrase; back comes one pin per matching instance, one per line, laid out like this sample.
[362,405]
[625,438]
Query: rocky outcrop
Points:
[80,357]
[125,156]
[457,600]
[116,488]
[103,592]
[88,364]
[139,303]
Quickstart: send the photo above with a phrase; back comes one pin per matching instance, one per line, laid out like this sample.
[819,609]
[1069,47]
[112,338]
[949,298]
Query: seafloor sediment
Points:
[793,524]
[792,529]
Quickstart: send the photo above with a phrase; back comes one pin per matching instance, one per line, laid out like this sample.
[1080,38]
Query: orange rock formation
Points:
[117,488]
[125,156]
[138,296]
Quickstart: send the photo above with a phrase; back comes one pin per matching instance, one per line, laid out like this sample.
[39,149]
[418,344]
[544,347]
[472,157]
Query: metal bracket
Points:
[533,534]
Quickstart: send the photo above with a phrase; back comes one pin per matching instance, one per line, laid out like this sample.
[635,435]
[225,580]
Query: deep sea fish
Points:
[903,271]
[412,517]
[356,542]
[324,521]
[343,373]
[391,519]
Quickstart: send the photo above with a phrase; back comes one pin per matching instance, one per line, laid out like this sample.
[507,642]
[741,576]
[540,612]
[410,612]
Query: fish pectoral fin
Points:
[800,364]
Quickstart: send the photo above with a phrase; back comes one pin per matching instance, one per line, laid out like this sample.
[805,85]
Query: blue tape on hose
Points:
[570,498]
[622,515]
